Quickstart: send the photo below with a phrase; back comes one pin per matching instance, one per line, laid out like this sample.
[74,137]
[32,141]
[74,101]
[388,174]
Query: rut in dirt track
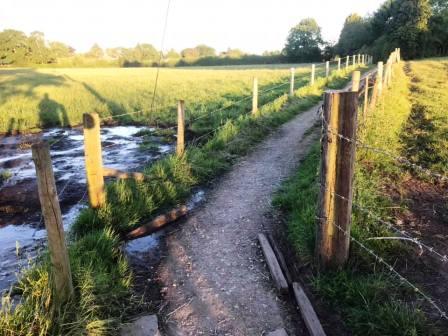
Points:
[214,277]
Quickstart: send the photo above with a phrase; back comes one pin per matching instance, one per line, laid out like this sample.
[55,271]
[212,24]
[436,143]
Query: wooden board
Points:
[274,266]
[306,309]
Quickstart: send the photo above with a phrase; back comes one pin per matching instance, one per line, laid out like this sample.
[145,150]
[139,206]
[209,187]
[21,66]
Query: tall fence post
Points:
[313,73]
[93,159]
[379,78]
[180,148]
[327,69]
[336,174]
[354,61]
[291,86]
[366,97]
[356,78]
[339,64]
[255,96]
[51,212]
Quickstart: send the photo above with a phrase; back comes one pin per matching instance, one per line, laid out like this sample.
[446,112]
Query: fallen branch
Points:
[158,223]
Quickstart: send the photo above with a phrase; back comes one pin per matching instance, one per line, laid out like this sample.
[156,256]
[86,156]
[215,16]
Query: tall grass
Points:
[101,275]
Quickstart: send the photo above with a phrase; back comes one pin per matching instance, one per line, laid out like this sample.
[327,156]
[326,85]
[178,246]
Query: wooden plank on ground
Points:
[306,309]
[281,259]
[157,223]
[274,266]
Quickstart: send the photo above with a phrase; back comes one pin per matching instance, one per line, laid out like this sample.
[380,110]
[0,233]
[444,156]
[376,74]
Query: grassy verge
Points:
[369,300]
[425,138]
[101,275]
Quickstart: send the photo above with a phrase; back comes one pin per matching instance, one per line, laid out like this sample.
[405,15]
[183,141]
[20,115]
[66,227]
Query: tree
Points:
[38,52]
[190,53]
[59,50]
[354,35]
[205,51]
[13,47]
[233,53]
[304,41]
[95,52]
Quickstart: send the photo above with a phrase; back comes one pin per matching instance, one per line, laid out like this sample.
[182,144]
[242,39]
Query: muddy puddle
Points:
[22,232]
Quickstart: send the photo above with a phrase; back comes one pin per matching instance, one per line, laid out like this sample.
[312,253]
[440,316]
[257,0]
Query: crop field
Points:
[40,98]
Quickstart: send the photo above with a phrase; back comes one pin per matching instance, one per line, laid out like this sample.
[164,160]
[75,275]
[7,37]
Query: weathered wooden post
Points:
[180,148]
[359,59]
[336,174]
[255,96]
[354,61]
[379,78]
[327,69]
[291,86]
[366,97]
[356,78]
[347,62]
[339,64]
[93,159]
[51,212]
[386,75]
[313,74]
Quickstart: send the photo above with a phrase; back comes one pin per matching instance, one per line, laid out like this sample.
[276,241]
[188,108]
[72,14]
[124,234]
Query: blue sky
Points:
[251,25]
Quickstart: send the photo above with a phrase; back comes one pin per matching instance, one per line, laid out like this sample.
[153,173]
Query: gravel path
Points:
[214,277]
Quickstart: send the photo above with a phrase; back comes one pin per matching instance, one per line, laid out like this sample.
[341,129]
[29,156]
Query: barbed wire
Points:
[442,313]
[399,159]
[401,232]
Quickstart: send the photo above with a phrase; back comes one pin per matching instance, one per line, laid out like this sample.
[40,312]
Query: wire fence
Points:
[398,232]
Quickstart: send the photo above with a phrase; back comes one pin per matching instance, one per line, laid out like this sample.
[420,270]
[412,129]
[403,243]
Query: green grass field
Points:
[41,98]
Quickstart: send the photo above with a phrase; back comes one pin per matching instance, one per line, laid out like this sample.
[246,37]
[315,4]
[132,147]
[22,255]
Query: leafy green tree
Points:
[233,53]
[190,53]
[59,50]
[304,42]
[95,52]
[205,51]
[13,47]
[354,35]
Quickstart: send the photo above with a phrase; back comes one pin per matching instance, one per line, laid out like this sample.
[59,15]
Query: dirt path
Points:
[214,277]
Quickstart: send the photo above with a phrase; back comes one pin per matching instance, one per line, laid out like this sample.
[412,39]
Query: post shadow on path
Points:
[52,113]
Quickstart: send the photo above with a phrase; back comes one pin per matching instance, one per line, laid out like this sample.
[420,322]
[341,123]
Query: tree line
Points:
[418,27]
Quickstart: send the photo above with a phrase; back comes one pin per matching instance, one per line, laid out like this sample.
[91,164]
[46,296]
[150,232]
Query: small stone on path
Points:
[144,326]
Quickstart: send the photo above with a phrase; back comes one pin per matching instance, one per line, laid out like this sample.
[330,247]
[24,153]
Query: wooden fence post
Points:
[336,174]
[327,69]
[366,98]
[291,86]
[379,78]
[255,96]
[354,61]
[313,73]
[339,64]
[347,62]
[93,159]
[180,148]
[51,212]
[356,78]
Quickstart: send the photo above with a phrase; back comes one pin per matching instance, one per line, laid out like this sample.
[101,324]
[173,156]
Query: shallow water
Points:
[19,244]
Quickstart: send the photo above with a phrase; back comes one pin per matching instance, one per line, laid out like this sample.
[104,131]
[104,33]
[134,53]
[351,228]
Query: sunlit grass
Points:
[101,274]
